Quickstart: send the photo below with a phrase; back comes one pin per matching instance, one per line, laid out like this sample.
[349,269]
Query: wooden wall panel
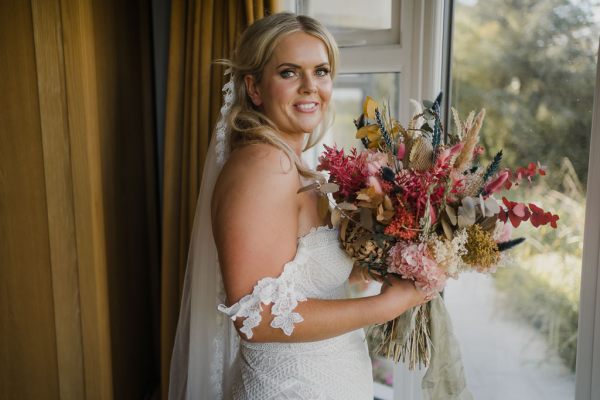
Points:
[28,359]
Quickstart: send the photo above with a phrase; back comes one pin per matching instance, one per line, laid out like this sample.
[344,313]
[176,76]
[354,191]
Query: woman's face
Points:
[296,85]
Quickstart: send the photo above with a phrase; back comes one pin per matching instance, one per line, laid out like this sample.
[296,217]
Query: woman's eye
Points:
[322,72]
[288,73]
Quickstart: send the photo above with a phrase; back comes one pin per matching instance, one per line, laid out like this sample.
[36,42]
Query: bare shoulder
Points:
[252,168]
[255,216]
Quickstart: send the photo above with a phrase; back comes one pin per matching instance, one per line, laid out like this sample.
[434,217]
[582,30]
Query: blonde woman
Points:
[294,334]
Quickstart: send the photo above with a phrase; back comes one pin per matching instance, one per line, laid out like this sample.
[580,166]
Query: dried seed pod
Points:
[358,243]
[420,154]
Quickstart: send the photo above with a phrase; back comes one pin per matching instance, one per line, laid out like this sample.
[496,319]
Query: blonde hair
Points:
[253,51]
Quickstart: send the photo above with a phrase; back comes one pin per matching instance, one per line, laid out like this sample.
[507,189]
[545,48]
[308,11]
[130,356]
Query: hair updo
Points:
[253,51]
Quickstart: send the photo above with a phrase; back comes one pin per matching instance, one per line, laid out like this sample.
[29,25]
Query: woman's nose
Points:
[309,84]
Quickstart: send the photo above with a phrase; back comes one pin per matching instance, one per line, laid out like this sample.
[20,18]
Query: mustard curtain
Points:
[201,31]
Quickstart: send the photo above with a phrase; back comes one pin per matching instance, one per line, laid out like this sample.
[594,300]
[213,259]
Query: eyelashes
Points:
[323,71]
[290,73]
[287,73]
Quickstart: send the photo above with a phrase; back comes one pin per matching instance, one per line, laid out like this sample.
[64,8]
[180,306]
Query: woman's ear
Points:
[253,90]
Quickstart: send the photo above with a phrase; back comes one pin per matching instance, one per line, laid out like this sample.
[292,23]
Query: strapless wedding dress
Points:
[338,368]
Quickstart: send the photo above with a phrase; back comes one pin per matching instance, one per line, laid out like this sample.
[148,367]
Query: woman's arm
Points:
[324,319]
[255,223]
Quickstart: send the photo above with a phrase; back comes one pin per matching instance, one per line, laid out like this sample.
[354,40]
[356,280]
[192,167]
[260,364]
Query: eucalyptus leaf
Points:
[336,216]
[491,207]
[467,212]
[329,187]
[447,229]
[347,206]
[308,187]
[451,212]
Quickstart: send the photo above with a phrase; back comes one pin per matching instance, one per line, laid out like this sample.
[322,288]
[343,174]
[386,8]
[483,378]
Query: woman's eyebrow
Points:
[298,66]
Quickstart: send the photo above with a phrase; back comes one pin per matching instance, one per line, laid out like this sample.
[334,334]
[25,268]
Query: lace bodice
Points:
[338,368]
[318,270]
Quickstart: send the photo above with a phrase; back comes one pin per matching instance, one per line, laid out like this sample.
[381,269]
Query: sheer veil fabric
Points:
[206,343]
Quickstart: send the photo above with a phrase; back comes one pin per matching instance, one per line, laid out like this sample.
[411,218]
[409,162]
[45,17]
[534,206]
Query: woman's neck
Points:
[295,141]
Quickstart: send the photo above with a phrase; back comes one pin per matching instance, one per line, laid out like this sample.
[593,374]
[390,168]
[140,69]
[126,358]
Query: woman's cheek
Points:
[326,90]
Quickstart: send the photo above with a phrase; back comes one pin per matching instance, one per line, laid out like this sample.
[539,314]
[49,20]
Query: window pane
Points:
[531,64]
[351,15]
[353,22]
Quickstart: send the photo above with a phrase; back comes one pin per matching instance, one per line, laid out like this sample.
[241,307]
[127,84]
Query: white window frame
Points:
[587,371]
[360,38]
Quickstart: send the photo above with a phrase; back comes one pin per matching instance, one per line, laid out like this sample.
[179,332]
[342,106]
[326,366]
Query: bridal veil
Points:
[206,342]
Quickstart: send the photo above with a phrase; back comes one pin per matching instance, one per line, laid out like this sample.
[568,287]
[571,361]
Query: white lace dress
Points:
[333,369]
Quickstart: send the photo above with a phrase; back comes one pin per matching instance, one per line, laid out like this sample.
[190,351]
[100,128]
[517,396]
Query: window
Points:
[531,64]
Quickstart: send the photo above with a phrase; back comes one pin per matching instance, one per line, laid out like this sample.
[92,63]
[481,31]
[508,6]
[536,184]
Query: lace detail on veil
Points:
[206,343]
[284,292]
[222,128]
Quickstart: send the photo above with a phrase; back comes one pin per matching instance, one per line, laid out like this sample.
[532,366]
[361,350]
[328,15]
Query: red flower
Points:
[348,171]
[417,184]
[541,217]
[402,226]
[521,173]
[515,212]
[552,218]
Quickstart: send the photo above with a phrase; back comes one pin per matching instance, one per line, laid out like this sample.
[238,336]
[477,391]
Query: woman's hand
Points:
[400,295]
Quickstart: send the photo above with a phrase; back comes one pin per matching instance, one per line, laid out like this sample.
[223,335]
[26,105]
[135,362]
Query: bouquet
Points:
[416,201]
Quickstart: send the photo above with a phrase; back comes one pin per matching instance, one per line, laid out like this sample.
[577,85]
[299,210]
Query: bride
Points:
[282,277]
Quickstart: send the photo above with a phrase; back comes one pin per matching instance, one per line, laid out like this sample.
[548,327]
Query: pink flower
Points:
[413,261]
[448,154]
[497,183]
[401,151]
[375,161]
[374,182]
